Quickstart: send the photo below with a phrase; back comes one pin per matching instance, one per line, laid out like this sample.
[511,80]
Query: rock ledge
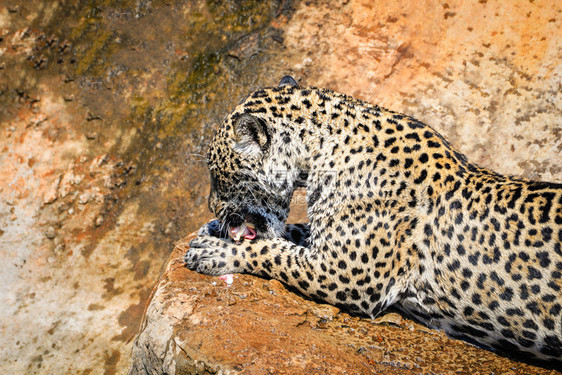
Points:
[197,324]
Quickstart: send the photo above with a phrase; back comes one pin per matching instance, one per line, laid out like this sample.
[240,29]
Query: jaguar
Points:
[397,217]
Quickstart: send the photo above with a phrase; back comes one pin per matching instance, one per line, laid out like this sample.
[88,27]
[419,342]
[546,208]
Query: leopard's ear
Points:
[252,135]
[288,81]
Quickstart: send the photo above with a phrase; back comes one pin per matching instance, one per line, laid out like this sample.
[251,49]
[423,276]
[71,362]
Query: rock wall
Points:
[106,107]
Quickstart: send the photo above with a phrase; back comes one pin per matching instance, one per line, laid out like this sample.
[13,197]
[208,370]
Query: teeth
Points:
[247,231]
[237,232]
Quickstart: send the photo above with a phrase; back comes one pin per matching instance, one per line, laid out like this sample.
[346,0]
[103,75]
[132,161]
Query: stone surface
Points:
[106,108]
[197,324]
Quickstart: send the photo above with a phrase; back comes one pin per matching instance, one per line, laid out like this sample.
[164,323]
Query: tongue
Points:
[242,231]
[249,233]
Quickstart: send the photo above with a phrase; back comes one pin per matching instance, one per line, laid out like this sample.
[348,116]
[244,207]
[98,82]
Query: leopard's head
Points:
[251,182]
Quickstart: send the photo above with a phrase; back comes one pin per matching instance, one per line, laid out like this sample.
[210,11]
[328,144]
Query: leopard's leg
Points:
[276,258]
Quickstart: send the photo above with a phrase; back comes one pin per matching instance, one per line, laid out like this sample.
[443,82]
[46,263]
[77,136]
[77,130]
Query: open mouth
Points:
[244,231]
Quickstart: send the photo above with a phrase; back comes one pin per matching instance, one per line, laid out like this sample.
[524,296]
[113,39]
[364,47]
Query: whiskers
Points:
[199,158]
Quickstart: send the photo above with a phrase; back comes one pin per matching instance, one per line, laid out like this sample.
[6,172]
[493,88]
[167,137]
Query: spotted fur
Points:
[397,217]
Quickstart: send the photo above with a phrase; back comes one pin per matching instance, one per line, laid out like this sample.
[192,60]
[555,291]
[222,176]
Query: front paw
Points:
[211,256]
